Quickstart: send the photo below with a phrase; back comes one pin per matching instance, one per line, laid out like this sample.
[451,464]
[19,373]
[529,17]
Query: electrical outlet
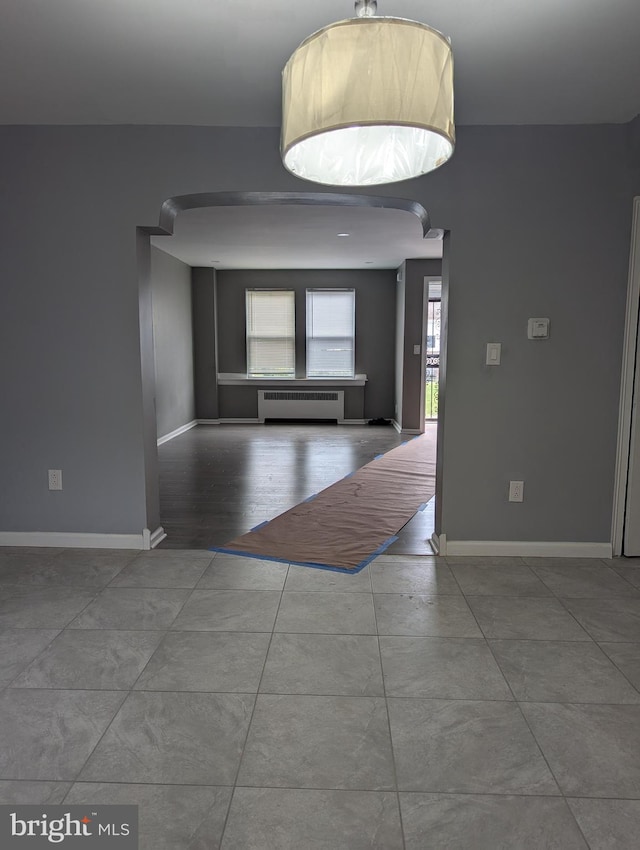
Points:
[55,479]
[516,491]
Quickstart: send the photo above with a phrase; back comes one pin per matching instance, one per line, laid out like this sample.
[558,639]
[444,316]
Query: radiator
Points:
[301,404]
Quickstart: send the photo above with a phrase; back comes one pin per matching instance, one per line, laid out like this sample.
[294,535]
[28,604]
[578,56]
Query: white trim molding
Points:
[524,548]
[151,539]
[396,426]
[178,431]
[626,385]
[71,540]
[438,543]
[232,379]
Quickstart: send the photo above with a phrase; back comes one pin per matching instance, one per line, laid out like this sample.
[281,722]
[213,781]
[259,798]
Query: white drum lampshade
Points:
[366,101]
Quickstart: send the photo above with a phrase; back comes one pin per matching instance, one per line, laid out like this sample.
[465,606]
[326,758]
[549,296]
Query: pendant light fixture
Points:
[368,100]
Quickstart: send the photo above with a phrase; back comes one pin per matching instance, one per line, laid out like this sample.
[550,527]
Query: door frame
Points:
[629,357]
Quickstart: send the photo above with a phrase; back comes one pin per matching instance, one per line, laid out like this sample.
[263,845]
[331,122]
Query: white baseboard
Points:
[195,422]
[524,548]
[177,432]
[71,540]
[412,431]
[396,426]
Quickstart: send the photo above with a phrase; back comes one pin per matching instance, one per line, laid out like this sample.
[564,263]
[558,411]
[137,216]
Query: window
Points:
[330,333]
[271,350]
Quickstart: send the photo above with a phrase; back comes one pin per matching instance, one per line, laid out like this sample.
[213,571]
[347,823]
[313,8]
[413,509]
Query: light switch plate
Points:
[416,349]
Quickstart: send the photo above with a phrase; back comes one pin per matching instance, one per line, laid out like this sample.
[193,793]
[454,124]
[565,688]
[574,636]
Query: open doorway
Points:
[433,304]
[234,393]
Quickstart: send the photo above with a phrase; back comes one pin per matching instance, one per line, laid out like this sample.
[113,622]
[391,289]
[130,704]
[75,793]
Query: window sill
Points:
[228,379]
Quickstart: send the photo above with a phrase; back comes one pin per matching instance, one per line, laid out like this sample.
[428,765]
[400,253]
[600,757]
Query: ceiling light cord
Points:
[366,8]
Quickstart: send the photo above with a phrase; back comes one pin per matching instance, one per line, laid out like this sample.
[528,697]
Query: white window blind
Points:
[270,333]
[330,333]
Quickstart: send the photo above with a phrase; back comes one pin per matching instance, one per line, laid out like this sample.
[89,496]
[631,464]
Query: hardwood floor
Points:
[219,481]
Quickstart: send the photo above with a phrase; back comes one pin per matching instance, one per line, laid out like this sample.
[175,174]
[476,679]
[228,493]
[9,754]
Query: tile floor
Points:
[467,704]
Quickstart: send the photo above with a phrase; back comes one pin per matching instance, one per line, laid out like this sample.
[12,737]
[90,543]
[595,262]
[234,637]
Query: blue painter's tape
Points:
[422,506]
[377,457]
[312,564]
[311,498]
[260,525]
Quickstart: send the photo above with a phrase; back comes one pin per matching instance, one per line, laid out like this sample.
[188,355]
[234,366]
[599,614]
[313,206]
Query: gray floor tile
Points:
[484,560]
[464,746]
[18,563]
[18,647]
[499,580]
[148,570]
[323,664]
[85,570]
[132,608]
[563,562]
[525,617]
[233,572]
[608,824]
[593,750]
[446,668]
[96,558]
[207,661]
[595,581]
[229,611]
[412,575]
[318,742]
[41,608]
[50,734]
[630,574]
[37,551]
[284,819]
[327,613]
[608,619]
[102,659]
[180,738]
[626,656]
[561,671]
[32,793]
[170,817]
[307,578]
[202,554]
[434,616]
[476,822]
[623,562]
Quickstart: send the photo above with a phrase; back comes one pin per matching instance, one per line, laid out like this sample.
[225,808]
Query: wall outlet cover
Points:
[538,329]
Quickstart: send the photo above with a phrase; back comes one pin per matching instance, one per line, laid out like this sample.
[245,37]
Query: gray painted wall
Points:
[375,330]
[203,292]
[540,220]
[173,342]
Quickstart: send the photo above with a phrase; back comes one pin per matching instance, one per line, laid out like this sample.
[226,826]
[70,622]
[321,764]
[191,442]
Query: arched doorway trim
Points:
[172,206]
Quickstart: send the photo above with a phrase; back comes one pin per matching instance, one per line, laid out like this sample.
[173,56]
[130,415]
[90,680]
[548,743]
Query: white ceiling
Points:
[293,237]
[218,62]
